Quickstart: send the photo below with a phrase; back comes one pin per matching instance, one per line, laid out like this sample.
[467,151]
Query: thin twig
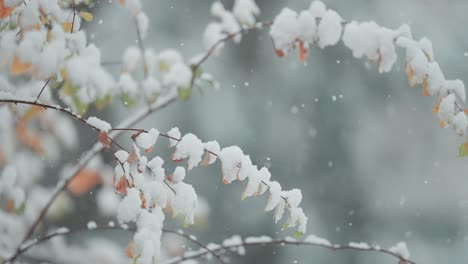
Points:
[42,89]
[200,253]
[66,232]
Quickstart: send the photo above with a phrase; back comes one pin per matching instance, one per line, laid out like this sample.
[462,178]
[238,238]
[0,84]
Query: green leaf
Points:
[186,225]
[135,259]
[102,102]
[69,89]
[198,72]
[298,234]
[81,107]
[184,93]
[127,100]
[20,209]
[463,150]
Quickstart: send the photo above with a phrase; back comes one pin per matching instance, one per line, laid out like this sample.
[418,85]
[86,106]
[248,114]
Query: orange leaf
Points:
[425,88]
[129,249]
[225,181]
[84,181]
[31,140]
[143,201]
[441,123]
[18,68]
[435,109]
[279,53]
[148,150]
[302,51]
[410,77]
[104,139]
[122,2]
[9,206]
[32,112]
[122,185]
[5,11]
[67,26]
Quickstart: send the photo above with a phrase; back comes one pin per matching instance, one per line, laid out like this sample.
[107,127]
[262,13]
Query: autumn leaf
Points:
[122,185]
[206,159]
[463,150]
[302,51]
[425,88]
[87,16]
[66,26]
[129,249]
[32,112]
[104,139]
[84,181]
[279,53]
[148,150]
[26,138]
[441,124]
[5,11]
[18,68]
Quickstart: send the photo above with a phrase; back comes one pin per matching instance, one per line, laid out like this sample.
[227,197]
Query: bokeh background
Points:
[365,148]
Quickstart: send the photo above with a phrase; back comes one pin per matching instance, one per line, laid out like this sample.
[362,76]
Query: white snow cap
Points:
[147,140]
[174,133]
[211,146]
[99,124]
[130,206]
[275,195]
[191,147]
[184,202]
[329,29]
[245,11]
[401,250]
[231,160]
[178,175]
[131,58]
[285,30]
[121,155]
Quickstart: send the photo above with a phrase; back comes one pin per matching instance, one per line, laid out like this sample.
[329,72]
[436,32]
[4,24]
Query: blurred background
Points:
[365,148]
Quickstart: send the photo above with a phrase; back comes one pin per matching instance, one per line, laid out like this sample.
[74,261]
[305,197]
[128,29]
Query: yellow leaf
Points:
[86,16]
[67,26]
[18,68]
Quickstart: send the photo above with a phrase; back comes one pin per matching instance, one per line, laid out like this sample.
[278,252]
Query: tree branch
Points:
[219,248]
[67,232]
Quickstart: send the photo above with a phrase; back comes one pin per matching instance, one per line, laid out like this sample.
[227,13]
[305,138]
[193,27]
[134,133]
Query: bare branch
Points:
[221,248]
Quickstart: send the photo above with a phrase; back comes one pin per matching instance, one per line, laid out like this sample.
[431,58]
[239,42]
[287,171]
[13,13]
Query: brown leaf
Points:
[84,181]
[206,159]
[104,139]
[122,185]
[134,136]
